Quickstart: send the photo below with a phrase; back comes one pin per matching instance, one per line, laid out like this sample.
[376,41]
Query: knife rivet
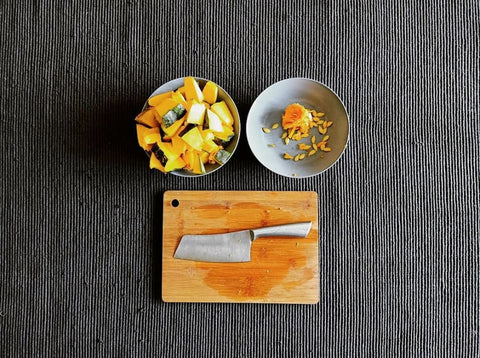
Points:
[175,203]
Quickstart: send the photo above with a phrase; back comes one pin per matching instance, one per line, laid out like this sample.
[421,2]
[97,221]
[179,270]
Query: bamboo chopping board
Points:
[281,270]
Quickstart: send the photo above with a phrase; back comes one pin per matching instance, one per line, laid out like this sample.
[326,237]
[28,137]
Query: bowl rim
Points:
[181,173]
[304,79]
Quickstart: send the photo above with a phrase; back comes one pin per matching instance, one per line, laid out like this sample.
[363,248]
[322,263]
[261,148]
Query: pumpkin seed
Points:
[320,114]
[327,149]
[296,157]
[266,130]
[294,174]
[272,145]
[314,139]
[325,138]
[284,135]
[302,156]
[312,152]
[329,123]
[275,126]
[287,156]
[287,140]
[322,130]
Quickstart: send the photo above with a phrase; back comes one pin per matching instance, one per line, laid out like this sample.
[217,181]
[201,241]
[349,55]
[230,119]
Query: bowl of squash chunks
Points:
[188,127]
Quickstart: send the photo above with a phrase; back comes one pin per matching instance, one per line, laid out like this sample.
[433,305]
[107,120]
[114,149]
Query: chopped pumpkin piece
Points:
[167,150]
[194,138]
[173,115]
[153,138]
[179,146]
[214,122]
[204,157]
[170,131]
[169,118]
[222,156]
[225,135]
[142,133]
[165,106]
[147,117]
[177,96]
[209,146]
[189,158]
[192,90]
[198,167]
[210,92]
[159,154]
[159,98]
[196,114]
[179,110]
[222,111]
[207,134]
[156,164]
[174,164]
[189,104]
[182,91]
[184,128]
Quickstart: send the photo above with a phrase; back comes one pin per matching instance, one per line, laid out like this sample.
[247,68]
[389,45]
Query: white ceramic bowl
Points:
[268,109]
[222,96]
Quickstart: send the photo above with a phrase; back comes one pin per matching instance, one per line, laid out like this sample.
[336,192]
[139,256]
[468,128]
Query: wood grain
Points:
[282,269]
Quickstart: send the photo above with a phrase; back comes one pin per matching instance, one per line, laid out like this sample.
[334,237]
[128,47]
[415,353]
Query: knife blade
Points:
[233,246]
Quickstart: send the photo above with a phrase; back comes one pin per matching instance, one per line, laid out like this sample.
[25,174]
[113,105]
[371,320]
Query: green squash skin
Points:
[159,154]
[222,142]
[222,156]
[173,115]
[179,110]
[169,118]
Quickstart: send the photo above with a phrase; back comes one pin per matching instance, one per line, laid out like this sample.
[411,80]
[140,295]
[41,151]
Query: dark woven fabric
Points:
[80,213]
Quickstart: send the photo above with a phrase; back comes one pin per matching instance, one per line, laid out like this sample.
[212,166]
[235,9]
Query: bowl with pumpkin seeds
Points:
[298,127]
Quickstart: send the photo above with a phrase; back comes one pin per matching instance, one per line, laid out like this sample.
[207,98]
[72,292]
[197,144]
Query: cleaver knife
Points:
[233,246]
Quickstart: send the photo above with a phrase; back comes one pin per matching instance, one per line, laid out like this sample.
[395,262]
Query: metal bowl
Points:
[268,109]
[222,96]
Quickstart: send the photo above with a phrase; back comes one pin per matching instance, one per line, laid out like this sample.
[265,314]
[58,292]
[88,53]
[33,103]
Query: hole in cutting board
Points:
[175,203]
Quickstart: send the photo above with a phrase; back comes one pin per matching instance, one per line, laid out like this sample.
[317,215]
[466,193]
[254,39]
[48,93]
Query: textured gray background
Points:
[80,210]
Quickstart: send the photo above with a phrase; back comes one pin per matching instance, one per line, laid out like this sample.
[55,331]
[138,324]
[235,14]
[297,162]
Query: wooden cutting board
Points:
[282,270]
